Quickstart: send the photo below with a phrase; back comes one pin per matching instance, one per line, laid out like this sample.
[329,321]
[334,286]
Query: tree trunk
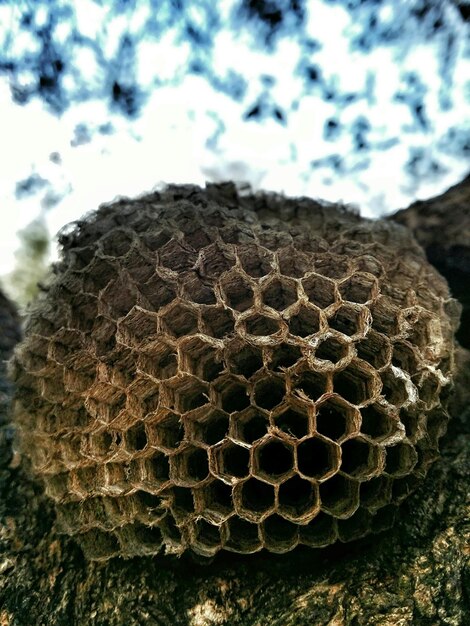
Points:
[416,574]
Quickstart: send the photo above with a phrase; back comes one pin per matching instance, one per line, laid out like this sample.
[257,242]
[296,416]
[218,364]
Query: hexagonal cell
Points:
[217,321]
[105,402]
[180,320]
[100,444]
[157,470]
[243,536]
[250,425]
[332,266]
[158,292]
[279,293]
[319,290]
[317,458]
[312,385]
[154,239]
[393,388]
[404,357]
[375,349]
[305,322]
[118,297]
[177,257]
[420,333]
[197,290]
[237,292]
[428,388]
[253,499]
[355,527]
[214,260]
[356,383]
[269,392]
[436,424]
[117,243]
[376,492]
[385,317]
[189,466]
[103,335]
[139,266]
[231,460]
[336,418]
[214,501]
[293,420]
[187,394]
[403,487]
[348,320]
[182,503]
[413,421]
[369,264]
[83,311]
[166,431]
[279,534]
[161,364]
[256,261]
[339,496]
[293,262]
[137,327]
[201,359]
[210,428]
[243,359]
[207,540]
[283,356]
[377,422]
[320,532]
[358,288]
[149,504]
[360,459]
[99,274]
[135,438]
[331,349]
[99,545]
[261,325]
[138,539]
[400,459]
[233,394]
[298,499]
[273,460]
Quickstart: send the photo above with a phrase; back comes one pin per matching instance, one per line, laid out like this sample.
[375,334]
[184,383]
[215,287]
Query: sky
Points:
[362,102]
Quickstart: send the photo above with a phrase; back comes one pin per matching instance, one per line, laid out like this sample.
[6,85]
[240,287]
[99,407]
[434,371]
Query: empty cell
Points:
[99,545]
[180,320]
[140,539]
[384,317]
[347,320]
[377,422]
[335,418]
[305,322]
[81,257]
[420,334]
[354,384]
[137,326]
[375,349]
[274,458]
[177,257]
[214,260]
[400,459]
[233,394]
[167,432]
[242,536]
[404,357]
[331,349]
[99,444]
[280,293]
[316,458]
[280,535]
[251,425]
[195,236]
[244,359]
[57,486]
[99,274]
[293,421]
[413,421]
[158,292]
[283,356]
[140,267]
[312,384]
[206,534]
[215,500]
[136,438]
[358,288]
[210,428]
[376,492]
[190,466]
[319,290]
[359,458]
[269,392]
[83,312]
[103,335]
[217,321]
[297,497]
[157,468]
[320,532]
[189,394]
[117,243]
[197,290]
[393,388]
[237,292]
[120,296]
[256,497]
[368,263]
[171,533]
[201,358]
[293,262]
[182,505]
[149,501]
[332,266]
[261,325]
[339,496]
[234,460]
[355,527]
[429,389]
[437,424]
[256,261]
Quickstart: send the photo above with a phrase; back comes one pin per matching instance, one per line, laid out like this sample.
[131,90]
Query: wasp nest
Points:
[211,371]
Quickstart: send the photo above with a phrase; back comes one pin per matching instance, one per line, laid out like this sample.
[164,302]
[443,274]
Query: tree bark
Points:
[417,574]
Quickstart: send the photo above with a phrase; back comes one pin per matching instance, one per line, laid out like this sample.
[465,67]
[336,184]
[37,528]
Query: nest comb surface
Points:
[212,371]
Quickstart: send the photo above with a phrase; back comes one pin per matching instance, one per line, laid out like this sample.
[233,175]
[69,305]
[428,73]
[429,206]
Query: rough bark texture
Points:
[416,574]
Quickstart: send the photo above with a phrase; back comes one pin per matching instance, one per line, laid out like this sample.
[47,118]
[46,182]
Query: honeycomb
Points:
[209,370]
